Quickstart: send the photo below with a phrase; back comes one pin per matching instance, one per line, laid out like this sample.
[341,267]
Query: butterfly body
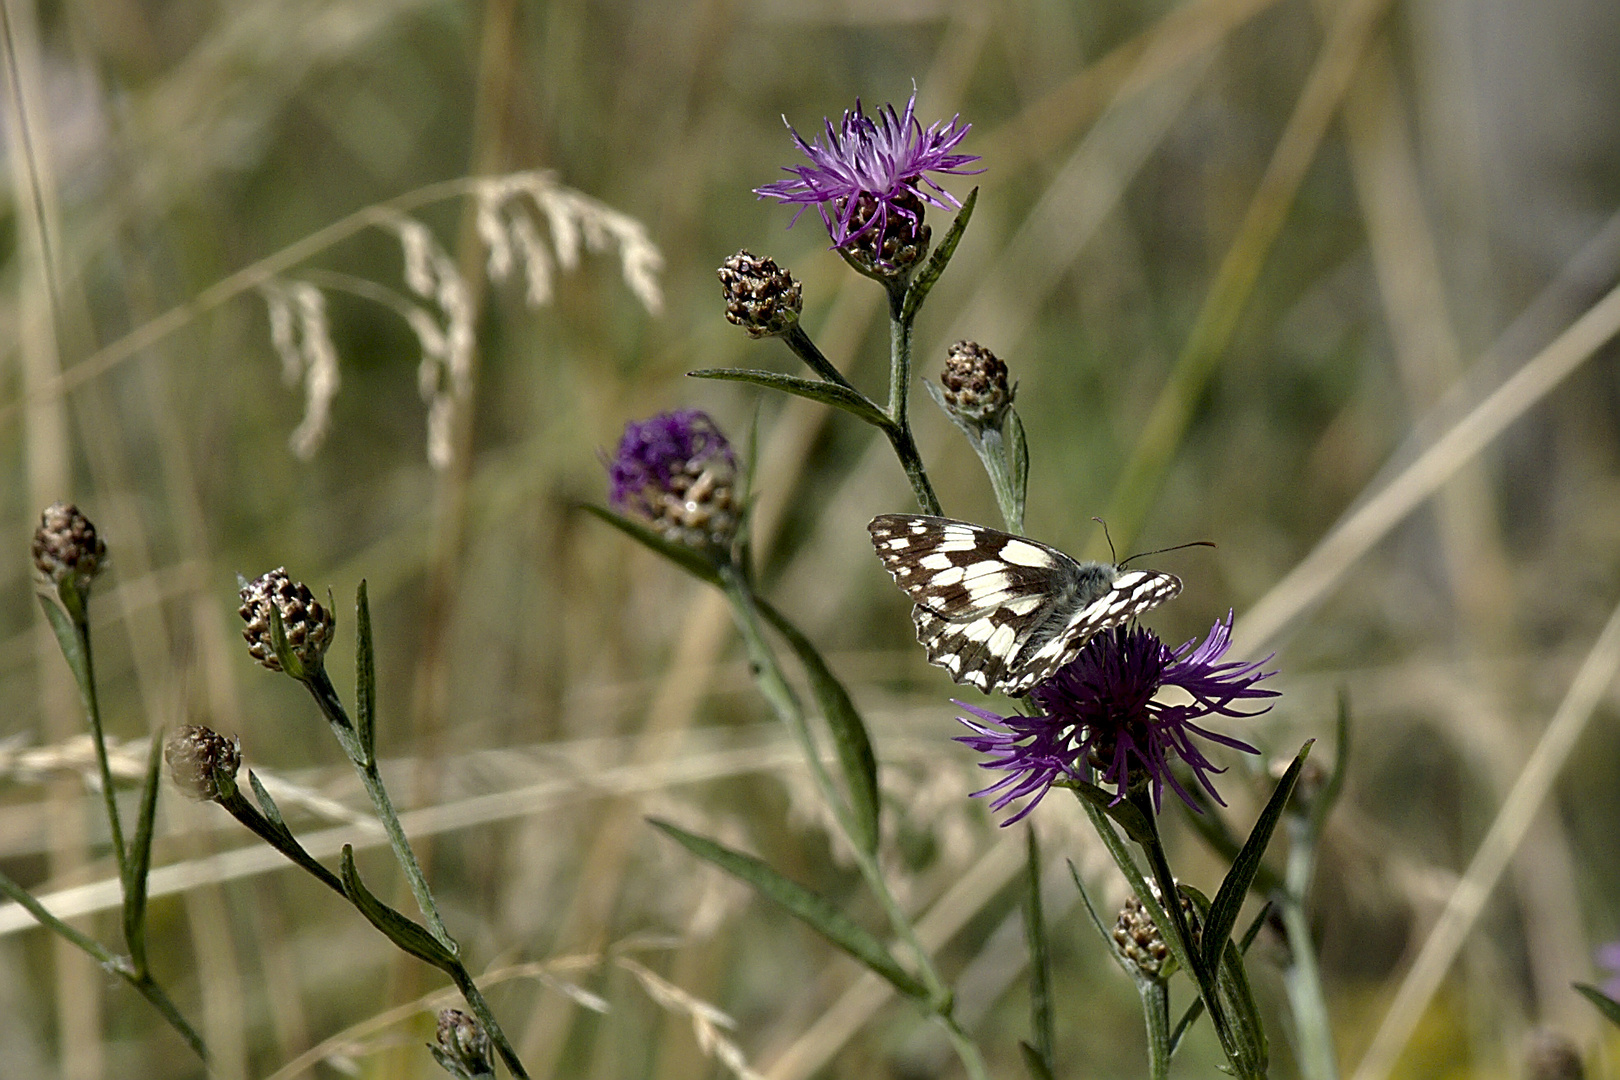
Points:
[1003,612]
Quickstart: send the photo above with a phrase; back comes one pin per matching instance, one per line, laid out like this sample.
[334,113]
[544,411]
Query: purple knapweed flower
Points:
[1608,958]
[1102,710]
[873,168]
[678,471]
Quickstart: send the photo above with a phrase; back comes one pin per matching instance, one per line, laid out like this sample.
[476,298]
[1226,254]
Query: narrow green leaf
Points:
[937,260]
[1132,820]
[1606,1005]
[76,937]
[1229,900]
[835,394]
[404,933]
[1196,1009]
[1237,1001]
[850,738]
[267,805]
[365,678]
[1096,920]
[72,645]
[814,910]
[1037,1066]
[1040,962]
[139,862]
[693,562]
[1018,452]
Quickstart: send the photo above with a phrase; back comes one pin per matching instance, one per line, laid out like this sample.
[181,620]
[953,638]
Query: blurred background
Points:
[1248,261]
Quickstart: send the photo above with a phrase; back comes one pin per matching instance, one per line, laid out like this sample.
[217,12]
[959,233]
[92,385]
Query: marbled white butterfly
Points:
[1003,612]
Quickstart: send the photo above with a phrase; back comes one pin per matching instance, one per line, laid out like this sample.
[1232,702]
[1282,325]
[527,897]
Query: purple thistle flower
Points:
[678,471]
[885,158]
[1608,958]
[1100,711]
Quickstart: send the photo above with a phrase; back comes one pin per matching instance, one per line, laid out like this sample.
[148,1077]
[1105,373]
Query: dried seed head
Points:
[463,1046]
[761,297]
[1140,942]
[195,754]
[308,625]
[975,382]
[895,246]
[66,547]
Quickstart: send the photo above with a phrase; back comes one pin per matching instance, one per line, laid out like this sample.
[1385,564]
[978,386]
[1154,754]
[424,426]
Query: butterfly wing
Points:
[999,611]
[1130,594]
[979,593]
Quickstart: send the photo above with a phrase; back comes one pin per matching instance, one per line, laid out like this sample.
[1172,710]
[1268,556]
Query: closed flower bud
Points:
[196,755]
[66,547]
[1139,941]
[761,297]
[678,472]
[463,1046]
[895,246]
[307,624]
[975,385]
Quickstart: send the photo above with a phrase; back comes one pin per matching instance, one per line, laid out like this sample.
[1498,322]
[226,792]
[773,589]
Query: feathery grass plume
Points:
[507,211]
[708,1022]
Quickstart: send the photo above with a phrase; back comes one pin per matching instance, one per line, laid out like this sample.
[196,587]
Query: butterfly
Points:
[1003,612]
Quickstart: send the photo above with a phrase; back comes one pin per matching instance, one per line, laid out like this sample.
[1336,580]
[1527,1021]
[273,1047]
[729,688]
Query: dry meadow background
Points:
[1249,260]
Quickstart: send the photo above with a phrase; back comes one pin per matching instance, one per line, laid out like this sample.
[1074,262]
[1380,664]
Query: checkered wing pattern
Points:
[1003,612]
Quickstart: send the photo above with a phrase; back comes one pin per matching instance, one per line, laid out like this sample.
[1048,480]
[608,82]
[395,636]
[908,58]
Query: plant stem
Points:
[905,448]
[1302,978]
[1156,1012]
[92,709]
[773,684]
[320,687]
[806,350]
[486,1016]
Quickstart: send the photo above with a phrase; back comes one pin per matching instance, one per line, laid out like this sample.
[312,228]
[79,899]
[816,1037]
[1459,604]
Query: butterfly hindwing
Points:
[999,611]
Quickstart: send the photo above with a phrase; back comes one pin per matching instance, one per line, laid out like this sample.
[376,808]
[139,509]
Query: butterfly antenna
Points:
[1112,554]
[1161,551]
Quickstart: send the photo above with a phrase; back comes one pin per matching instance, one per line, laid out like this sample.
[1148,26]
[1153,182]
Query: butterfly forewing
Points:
[999,611]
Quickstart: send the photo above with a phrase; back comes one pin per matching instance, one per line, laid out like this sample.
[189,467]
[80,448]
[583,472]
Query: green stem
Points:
[905,448]
[117,965]
[806,350]
[320,686]
[1302,978]
[1156,1012]
[92,709]
[486,1016]
[773,684]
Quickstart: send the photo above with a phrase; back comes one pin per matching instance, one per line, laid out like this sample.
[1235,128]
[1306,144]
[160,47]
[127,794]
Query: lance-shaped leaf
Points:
[72,644]
[1037,1066]
[1196,1009]
[365,679]
[1228,901]
[837,395]
[814,910]
[689,559]
[850,739]
[1237,1002]
[408,935]
[1606,1005]
[139,862]
[938,260]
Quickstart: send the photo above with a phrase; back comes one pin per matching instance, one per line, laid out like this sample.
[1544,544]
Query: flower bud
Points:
[975,385]
[1139,942]
[678,472]
[896,243]
[195,754]
[66,547]
[463,1046]
[307,624]
[761,297]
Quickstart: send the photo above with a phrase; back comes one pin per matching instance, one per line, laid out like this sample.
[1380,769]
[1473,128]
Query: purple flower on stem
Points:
[1102,710]
[1608,958]
[872,168]
[677,471]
